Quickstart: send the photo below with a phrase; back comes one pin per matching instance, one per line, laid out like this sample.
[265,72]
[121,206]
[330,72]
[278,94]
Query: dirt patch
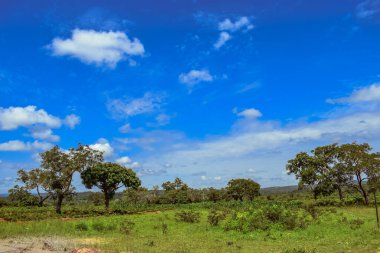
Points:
[45,245]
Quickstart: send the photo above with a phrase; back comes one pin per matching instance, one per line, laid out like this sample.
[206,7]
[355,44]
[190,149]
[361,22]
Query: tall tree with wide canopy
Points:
[58,167]
[109,177]
[364,166]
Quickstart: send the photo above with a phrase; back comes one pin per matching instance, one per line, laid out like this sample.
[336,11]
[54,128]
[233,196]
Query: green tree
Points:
[34,180]
[109,177]
[22,196]
[357,161]
[176,191]
[58,168]
[241,188]
[321,172]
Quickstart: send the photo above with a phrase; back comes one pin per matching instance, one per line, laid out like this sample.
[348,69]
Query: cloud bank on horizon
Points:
[208,93]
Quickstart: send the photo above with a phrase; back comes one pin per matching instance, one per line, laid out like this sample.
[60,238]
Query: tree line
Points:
[53,180]
[323,171]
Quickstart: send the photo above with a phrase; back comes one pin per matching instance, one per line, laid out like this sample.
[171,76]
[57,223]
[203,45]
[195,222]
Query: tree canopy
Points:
[109,177]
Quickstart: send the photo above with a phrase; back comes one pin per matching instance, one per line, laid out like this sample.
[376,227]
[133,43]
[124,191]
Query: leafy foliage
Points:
[109,177]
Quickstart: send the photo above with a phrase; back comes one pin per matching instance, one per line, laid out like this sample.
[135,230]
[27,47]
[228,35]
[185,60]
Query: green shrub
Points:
[101,227]
[81,226]
[215,216]
[188,216]
[127,227]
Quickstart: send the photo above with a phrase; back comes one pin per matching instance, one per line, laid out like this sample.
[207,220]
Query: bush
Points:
[188,216]
[101,227]
[215,216]
[81,226]
[312,210]
[356,223]
[127,227]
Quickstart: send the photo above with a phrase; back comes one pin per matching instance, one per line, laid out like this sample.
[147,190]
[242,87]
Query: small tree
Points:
[109,177]
[33,180]
[241,188]
[22,196]
[176,191]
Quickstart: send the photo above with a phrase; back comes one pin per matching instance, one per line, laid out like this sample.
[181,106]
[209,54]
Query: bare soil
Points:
[43,245]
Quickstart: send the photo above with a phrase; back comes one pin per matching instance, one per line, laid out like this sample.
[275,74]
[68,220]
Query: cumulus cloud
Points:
[223,38]
[365,94]
[104,146]
[127,162]
[121,108]
[14,117]
[195,76]
[250,113]
[71,120]
[16,145]
[241,23]
[98,47]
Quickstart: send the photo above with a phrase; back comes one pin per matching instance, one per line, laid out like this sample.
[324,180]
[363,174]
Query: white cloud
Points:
[103,146]
[124,160]
[44,134]
[365,94]
[14,117]
[127,162]
[16,145]
[127,108]
[71,120]
[250,113]
[195,76]
[203,178]
[98,47]
[218,178]
[223,38]
[228,25]
[125,128]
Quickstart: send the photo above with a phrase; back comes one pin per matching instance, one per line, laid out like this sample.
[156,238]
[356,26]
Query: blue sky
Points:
[203,90]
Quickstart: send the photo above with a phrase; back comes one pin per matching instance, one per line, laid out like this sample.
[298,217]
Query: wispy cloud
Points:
[223,38]
[227,26]
[124,108]
[369,9]
[98,47]
[365,94]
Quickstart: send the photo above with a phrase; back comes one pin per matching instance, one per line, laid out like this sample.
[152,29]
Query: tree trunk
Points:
[106,199]
[341,197]
[362,191]
[58,206]
[377,210]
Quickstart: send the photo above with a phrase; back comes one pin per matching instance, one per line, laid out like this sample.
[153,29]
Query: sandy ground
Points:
[38,245]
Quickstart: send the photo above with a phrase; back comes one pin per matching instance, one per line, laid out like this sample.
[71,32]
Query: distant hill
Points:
[279,189]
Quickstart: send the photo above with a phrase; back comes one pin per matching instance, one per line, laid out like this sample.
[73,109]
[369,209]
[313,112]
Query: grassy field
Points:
[338,229]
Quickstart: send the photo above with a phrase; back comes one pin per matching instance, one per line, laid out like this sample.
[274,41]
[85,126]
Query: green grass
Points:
[327,234]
